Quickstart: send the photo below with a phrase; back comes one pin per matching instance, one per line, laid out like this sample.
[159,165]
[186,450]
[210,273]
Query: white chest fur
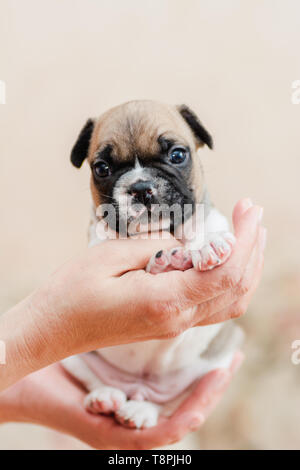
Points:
[159,357]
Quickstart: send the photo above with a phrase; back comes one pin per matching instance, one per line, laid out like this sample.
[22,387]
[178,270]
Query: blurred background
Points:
[234,63]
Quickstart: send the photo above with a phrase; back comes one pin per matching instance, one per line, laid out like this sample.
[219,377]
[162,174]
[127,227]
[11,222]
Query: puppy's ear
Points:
[201,134]
[81,146]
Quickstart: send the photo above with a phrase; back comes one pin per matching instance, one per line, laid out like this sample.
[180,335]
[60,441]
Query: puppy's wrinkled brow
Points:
[165,144]
[105,153]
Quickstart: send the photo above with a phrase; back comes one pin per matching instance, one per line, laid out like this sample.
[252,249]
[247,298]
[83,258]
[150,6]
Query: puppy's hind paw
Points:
[104,400]
[214,252]
[138,414]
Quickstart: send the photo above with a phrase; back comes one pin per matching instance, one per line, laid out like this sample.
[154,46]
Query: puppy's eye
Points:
[101,169]
[178,155]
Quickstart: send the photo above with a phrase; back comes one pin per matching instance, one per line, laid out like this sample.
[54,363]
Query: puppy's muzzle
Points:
[142,192]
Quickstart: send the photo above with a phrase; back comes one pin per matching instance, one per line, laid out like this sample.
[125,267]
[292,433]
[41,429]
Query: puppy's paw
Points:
[163,261]
[180,259]
[214,252]
[159,262]
[104,400]
[138,414]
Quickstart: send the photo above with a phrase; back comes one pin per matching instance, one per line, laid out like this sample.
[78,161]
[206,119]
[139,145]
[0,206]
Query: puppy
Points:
[144,156]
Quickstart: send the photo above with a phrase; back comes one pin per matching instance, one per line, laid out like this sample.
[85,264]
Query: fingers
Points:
[228,276]
[250,283]
[132,254]
[191,287]
[193,412]
[234,301]
[238,308]
[240,208]
[180,259]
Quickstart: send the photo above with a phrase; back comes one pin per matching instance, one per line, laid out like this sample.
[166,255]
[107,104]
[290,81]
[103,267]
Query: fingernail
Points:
[247,203]
[261,213]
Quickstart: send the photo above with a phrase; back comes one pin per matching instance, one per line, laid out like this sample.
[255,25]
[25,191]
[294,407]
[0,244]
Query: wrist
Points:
[18,402]
[15,328]
[30,332]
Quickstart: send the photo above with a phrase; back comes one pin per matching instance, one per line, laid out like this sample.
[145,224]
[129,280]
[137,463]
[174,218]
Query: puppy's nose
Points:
[142,191]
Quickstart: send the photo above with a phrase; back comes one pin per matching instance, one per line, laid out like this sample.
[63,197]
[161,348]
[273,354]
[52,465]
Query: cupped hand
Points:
[105,298]
[108,299]
[50,398]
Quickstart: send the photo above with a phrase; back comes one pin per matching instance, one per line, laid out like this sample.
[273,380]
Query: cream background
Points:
[234,63]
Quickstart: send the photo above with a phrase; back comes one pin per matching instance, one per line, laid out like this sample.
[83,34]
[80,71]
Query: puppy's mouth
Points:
[144,200]
[140,198]
[136,217]
[158,214]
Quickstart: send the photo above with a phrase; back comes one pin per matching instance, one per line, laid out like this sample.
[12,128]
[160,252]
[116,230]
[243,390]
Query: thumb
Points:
[240,208]
[131,254]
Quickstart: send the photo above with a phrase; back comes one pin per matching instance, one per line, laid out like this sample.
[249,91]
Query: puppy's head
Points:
[143,154]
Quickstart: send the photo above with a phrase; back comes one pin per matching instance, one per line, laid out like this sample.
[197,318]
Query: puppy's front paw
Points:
[163,261]
[138,414]
[180,258]
[104,400]
[214,252]
[159,263]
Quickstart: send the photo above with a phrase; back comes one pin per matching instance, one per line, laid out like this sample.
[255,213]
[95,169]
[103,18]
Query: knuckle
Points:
[230,279]
[172,334]
[192,292]
[169,309]
[238,311]
[166,313]
[161,311]
[243,288]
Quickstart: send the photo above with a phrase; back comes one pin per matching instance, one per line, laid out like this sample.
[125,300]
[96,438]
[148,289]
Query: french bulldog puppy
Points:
[145,156]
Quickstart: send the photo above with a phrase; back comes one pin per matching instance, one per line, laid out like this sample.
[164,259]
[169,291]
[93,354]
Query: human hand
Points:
[106,298]
[223,293]
[109,299]
[50,398]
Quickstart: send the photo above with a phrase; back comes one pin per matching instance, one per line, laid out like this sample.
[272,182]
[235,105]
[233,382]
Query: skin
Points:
[75,312]
[35,400]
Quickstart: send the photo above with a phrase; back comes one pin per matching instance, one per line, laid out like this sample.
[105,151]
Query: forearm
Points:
[33,337]
[25,349]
